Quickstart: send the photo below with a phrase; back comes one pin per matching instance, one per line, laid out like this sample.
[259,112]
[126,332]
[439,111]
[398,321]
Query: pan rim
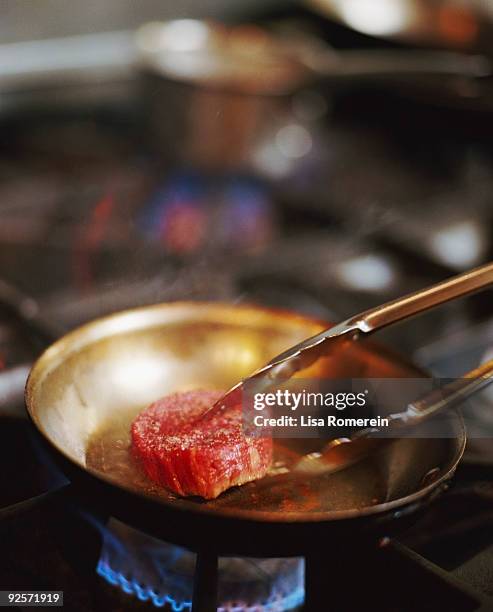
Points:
[69,342]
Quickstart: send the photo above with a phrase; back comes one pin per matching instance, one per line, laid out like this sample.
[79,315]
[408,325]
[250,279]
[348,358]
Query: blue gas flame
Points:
[284,604]
[143,593]
[162,574]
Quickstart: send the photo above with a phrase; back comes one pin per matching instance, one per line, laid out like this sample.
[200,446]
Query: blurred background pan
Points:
[463,24]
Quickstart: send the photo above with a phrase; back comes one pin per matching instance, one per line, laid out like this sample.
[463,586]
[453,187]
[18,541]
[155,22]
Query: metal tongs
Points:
[303,355]
[340,453]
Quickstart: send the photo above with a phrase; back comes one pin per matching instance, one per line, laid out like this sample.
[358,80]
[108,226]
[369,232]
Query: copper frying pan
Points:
[85,389]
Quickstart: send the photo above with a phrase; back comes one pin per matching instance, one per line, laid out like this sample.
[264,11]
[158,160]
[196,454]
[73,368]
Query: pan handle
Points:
[394,64]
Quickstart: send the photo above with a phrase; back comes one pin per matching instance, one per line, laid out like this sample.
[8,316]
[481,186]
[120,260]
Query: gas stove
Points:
[48,543]
[381,198]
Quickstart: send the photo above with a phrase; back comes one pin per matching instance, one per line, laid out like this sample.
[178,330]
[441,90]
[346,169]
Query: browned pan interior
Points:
[85,390]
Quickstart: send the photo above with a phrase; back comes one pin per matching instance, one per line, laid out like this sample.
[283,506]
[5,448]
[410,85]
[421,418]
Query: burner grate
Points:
[162,573]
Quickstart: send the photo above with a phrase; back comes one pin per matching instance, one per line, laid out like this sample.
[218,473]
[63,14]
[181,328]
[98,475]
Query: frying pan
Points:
[464,25]
[85,389]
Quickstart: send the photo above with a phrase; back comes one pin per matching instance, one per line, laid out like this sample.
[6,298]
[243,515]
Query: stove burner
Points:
[131,587]
[189,211]
[163,574]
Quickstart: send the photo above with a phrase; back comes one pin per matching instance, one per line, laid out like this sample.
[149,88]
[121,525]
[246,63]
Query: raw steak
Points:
[193,453]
